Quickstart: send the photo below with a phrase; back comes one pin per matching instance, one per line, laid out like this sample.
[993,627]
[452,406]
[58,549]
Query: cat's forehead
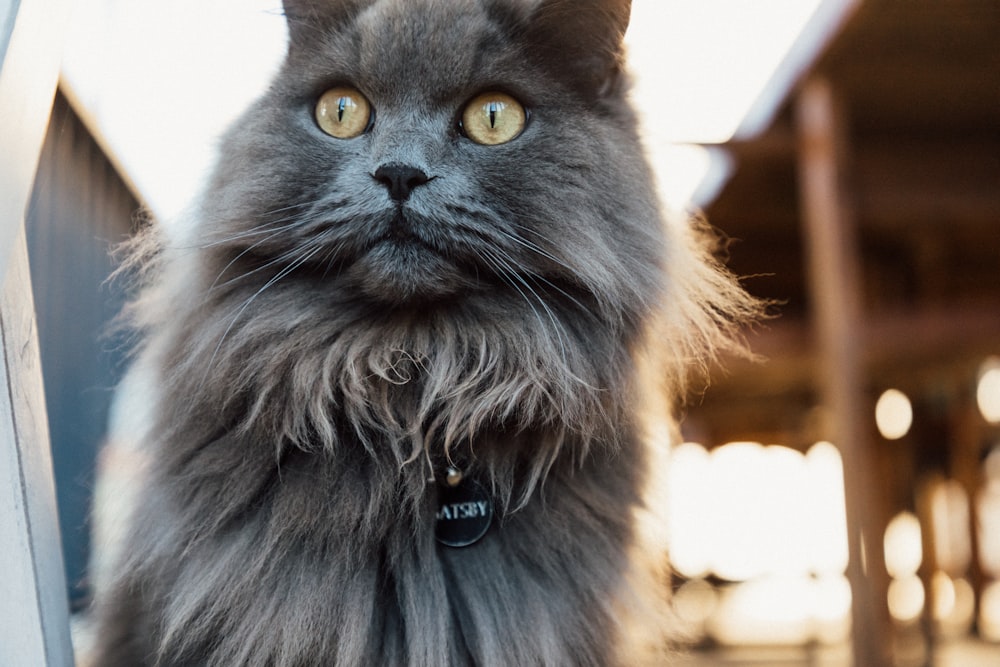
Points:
[435,48]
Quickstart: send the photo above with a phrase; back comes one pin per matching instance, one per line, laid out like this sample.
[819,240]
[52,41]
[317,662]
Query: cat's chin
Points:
[404,272]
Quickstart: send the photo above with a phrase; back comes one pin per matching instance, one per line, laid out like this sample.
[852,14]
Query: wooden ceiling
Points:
[918,85]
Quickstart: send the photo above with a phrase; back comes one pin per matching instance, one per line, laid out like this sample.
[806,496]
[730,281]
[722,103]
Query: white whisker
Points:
[504,265]
[246,304]
[249,249]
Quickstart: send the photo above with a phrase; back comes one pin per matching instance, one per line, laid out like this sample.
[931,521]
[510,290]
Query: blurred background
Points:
[838,502]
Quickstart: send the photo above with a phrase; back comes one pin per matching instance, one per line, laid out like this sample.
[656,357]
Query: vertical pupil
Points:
[494,108]
[341,108]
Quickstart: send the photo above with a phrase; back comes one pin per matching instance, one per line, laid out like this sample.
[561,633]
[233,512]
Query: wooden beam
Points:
[897,342]
[34,615]
[835,285]
[826,23]
[902,180]
[31,36]
[34,618]
[905,181]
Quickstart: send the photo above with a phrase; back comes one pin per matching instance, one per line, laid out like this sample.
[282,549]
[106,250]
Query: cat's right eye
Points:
[343,112]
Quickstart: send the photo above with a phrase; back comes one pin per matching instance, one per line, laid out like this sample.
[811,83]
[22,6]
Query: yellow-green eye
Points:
[343,112]
[493,118]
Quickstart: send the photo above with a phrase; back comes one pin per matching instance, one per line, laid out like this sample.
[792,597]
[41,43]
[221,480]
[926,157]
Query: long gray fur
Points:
[313,374]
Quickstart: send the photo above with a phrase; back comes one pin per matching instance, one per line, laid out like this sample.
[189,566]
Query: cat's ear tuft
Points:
[309,20]
[583,38]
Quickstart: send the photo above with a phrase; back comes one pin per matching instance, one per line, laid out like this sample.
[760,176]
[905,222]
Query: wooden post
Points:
[34,616]
[835,291]
[34,613]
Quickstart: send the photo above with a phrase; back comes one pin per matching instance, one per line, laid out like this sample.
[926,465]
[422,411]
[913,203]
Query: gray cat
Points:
[403,358]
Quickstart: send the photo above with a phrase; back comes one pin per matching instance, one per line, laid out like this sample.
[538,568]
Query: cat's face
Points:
[420,151]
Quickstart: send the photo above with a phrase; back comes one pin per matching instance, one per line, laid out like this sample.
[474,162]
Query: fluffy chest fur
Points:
[432,242]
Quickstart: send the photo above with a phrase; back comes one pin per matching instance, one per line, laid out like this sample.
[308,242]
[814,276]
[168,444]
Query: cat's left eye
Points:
[343,112]
[493,118]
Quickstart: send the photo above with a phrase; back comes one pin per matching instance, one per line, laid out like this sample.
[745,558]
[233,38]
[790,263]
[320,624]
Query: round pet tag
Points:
[464,514]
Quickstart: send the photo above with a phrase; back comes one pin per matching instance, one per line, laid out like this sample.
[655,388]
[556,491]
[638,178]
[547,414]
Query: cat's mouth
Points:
[408,263]
[409,236]
[402,231]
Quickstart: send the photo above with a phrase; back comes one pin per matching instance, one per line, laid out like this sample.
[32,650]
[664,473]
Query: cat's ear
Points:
[309,20]
[583,38]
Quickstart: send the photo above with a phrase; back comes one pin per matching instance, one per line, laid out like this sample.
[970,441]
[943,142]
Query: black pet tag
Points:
[464,514]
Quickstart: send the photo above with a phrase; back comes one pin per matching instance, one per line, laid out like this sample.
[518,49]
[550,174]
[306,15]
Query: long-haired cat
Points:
[398,357]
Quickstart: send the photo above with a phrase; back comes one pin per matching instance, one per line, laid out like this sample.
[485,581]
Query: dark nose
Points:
[400,179]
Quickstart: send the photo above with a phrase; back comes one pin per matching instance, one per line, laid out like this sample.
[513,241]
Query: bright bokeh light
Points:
[954,604]
[693,604]
[906,599]
[950,517]
[825,527]
[746,511]
[893,414]
[688,510]
[988,517]
[783,610]
[944,595]
[988,390]
[903,547]
[755,515]
[831,614]
[992,465]
[989,613]
[771,519]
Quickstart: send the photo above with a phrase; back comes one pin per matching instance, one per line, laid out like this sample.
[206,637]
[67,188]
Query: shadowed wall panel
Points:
[79,210]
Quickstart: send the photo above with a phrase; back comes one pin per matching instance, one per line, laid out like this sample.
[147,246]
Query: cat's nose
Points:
[400,179]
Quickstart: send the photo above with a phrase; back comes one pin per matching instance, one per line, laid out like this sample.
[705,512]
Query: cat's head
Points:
[439,219]
[417,151]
